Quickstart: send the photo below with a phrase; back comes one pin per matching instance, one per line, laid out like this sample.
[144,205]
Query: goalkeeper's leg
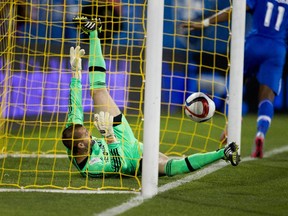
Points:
[97,71]
[197,161]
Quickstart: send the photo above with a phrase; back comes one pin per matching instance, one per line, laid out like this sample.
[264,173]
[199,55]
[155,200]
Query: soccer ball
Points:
[199,107]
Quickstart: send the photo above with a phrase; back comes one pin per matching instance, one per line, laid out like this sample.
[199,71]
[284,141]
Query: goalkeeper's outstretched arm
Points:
[75,112]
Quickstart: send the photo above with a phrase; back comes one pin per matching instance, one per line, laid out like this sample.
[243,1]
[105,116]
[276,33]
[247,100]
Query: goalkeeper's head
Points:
[77,139]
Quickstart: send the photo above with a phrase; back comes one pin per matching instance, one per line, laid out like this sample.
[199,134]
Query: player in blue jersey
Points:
[117,151]
[265,52]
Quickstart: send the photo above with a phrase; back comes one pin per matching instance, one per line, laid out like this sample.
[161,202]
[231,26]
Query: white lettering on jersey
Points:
[102,147]
[94,160]
[281,11]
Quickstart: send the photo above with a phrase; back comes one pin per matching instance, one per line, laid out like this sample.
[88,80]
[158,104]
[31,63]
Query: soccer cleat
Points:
[259,143]
[87,25]
[231,153]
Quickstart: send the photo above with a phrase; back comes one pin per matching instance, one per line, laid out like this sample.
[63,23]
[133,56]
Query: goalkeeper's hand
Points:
[76,61]
[104,123]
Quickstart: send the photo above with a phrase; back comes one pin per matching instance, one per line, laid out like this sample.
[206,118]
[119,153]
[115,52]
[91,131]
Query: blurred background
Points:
[192,61]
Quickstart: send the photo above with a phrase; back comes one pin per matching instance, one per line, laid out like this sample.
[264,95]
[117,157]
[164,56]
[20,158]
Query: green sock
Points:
[97,66]
[192,162]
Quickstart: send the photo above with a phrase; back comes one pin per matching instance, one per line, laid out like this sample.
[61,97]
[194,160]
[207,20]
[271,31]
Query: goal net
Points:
[35,38]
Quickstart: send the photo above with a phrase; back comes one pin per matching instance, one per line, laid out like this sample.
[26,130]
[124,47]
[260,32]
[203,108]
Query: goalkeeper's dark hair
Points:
[71,136]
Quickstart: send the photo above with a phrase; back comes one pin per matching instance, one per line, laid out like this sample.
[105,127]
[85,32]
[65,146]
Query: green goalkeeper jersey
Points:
[121,157]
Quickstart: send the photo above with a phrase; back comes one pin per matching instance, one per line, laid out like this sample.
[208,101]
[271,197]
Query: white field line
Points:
[68,191]
[33,155]
[138,200]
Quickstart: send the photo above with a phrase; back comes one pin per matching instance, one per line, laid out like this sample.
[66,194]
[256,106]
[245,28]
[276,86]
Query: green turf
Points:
[257,187]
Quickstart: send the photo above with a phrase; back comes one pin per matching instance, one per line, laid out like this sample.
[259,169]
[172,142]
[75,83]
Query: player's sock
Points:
[97,65]
[265,115]
[192,162]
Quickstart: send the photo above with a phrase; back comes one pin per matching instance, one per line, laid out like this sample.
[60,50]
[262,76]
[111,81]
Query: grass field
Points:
[255,187]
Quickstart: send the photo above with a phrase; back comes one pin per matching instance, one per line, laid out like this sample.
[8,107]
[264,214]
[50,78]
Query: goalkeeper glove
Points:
[76,61]
[104,123]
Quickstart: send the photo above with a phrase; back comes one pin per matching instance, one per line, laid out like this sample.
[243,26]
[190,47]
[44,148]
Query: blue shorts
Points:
[265,59]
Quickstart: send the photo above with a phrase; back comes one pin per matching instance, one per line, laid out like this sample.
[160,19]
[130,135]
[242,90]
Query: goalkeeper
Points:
[118,151]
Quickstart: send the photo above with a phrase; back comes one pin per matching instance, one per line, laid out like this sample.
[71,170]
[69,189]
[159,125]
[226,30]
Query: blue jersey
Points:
[270,18]
[265,46]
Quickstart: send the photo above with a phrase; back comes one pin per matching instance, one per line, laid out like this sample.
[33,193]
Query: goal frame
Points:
[152,101]
[153,88]
[236,71]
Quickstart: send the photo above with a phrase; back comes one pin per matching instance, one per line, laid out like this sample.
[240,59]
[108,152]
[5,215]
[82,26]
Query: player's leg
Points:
[197,161]
[265,115]
[97,76]
[269,77]
[97,68]
[163,160]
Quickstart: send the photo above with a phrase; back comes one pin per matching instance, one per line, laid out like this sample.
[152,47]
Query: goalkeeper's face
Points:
[85,141]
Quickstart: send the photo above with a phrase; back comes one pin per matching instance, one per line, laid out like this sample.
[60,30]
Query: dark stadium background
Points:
[116,34]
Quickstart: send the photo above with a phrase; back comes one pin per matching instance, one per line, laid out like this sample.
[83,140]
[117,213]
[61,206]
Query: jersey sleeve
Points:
[75,112]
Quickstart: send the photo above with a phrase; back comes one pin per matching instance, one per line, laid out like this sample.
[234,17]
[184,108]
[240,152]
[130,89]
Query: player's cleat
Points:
[87,25]
[258,148]
[231,153]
